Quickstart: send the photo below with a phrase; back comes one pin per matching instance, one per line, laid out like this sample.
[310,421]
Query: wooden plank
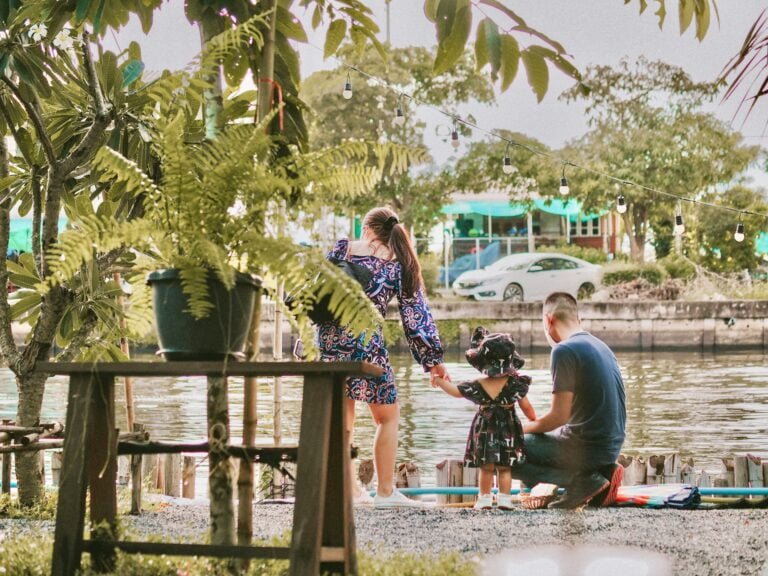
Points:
[210,368]
[470,477]
[740,471]
[70,510]
[456,479]
[101,443]
[263,454]
[311,474]
[173,549]
[443,479]
[338,519]
[755,471]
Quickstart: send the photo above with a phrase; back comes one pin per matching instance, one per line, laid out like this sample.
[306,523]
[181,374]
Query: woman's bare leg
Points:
[349,407]
[387,419]
[485,480]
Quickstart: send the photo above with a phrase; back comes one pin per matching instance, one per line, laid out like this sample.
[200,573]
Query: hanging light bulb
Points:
[564,188]
[507,167]
[399,118]
[739,234]
[679,226]
[347,92]
[455,135]
[621,204]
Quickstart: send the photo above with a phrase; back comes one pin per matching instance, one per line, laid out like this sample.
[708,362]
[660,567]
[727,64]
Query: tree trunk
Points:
[29,473]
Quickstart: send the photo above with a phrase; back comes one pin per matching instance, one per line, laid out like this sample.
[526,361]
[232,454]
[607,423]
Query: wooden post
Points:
[188,478]
[740,470]
[705,480]
[443,479]
[655,474]
[137,479]
[687,472]
[160,473]
[7,463]
[672,465]
[125,348]
[727,474]
[55,467]
[456,478]
[470,477]
[222,511]
[173,475]
[123,470]
[755,470]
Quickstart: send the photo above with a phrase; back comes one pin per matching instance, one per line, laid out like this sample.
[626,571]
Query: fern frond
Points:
[117,168]
[233,40]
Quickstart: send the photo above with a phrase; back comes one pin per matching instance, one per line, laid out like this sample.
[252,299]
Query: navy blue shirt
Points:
[584,365]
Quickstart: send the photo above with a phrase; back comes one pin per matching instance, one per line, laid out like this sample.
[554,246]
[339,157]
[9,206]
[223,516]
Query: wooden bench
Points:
[323,538]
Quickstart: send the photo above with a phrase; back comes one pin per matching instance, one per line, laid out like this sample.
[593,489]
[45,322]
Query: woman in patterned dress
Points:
[386,250]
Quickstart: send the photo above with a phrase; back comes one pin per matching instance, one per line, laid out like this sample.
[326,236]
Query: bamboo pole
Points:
[125,348]
[136,477]
[173,475]
[222,511]
[188,477]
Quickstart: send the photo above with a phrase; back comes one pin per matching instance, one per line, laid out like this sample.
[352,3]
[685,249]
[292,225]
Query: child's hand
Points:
[437,382]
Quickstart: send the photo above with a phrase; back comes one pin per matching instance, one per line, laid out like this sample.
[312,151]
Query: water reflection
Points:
[704,405]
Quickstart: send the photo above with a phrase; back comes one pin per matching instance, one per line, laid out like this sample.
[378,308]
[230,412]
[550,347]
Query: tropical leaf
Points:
[337,31]
[537,72]
[510,60]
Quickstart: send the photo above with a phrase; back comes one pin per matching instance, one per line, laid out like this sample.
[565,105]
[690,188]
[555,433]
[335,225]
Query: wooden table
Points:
[323,538]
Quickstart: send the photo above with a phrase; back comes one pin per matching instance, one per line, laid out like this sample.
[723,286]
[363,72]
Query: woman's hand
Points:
[438,371]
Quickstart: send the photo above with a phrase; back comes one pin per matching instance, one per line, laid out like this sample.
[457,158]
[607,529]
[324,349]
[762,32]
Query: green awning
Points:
[497,208]
[21,234]
[762,243]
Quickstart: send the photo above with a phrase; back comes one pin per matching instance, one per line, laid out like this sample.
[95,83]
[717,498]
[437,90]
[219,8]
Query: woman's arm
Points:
[447,386]
[527,408]
[420,330]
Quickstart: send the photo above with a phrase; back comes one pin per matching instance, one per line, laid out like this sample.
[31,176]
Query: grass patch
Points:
[43,510]
[31,556]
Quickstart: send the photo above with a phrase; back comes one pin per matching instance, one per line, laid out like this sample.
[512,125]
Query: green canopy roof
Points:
[500,208]
[21,234]
[762,243]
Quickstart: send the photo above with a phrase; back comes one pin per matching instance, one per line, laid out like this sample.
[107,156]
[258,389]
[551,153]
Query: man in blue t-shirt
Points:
[576,443]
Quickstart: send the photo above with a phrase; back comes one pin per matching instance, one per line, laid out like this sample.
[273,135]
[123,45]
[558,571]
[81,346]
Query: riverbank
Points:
[700,543]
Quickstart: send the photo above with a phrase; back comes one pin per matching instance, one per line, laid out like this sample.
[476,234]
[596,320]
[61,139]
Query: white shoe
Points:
[364,498]
[504,501]
[484,502]
[396,500]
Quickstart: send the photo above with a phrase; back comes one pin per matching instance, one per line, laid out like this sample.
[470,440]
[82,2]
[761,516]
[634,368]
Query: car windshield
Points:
[510,263]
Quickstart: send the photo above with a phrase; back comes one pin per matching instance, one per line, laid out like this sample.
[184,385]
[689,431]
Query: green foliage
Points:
[430,272]
[31,556]
[678,267]
[593,255]
[45,509]
[646,120]
[620,273]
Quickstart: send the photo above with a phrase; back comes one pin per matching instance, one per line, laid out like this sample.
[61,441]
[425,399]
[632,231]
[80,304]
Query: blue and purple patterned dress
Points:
[338,344]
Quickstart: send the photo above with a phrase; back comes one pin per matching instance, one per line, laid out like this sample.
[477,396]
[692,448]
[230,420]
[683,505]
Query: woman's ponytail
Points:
[387,228]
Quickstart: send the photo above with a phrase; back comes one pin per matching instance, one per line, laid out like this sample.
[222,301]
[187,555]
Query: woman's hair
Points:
[387,229]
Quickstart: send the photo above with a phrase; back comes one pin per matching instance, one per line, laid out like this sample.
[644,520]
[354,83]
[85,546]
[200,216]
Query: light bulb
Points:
[455,138]
[739,234]
[621,204]
[679,226]
[399,118]
[564,188]
[508,168]
[347,92]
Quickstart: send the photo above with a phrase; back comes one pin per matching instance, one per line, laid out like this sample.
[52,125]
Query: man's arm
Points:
[557,416]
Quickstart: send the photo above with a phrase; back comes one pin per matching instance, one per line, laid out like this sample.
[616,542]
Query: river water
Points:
[703,405]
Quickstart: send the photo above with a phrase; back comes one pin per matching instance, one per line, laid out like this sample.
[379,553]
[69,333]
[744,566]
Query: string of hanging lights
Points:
[509,168]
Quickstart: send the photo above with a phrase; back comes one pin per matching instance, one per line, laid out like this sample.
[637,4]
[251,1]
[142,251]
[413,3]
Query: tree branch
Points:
[93,138]
[7,345]
[35,118]
[78,340]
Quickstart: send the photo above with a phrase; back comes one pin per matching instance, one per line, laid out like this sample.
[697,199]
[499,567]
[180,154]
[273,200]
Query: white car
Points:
[529,277]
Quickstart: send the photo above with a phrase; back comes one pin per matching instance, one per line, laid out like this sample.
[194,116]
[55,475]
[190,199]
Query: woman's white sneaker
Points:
[396,500]
[484,502]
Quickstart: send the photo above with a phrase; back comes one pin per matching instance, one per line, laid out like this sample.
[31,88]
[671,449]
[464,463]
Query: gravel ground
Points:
[674,542]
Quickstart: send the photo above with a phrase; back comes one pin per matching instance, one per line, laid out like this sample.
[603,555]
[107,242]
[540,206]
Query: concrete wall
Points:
[623,325]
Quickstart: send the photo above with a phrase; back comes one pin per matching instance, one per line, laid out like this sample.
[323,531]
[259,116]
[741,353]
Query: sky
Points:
[592,31]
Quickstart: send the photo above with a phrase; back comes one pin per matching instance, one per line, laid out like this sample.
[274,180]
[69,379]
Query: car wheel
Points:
[585,291]
[513,293]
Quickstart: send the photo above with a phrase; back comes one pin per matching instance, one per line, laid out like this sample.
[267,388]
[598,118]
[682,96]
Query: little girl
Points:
[495,440]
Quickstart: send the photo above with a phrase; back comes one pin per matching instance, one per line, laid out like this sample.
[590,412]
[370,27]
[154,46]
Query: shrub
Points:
[430,272]
[678,267]
[620,273]
[593,255]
